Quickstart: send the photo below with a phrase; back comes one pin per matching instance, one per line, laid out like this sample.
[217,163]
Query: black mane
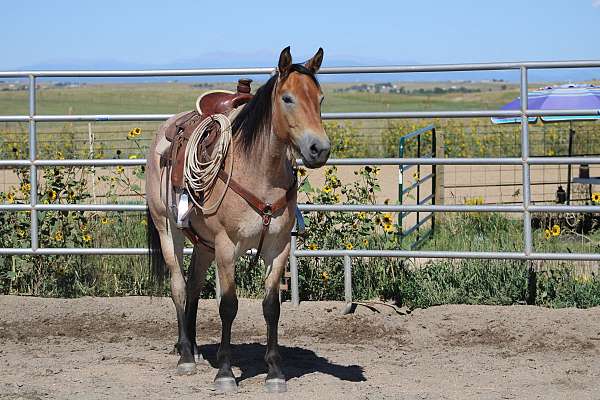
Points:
[256,115]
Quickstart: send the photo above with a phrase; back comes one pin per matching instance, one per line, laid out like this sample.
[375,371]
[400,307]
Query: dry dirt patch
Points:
[100,348]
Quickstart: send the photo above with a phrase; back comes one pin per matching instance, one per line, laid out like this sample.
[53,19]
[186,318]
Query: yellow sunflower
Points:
[119,169]
[26,187]
[325,276]
[547,234]
[387,219]
[596,197]
[58,236]
[52,195]
[327,189]
[105,221]
[365,242]
[349,246]
[133,156]
[10,197]
[312,246]
[388,228]
[87,237]
[135,132]
[362,215]
[555,230]
[301,172]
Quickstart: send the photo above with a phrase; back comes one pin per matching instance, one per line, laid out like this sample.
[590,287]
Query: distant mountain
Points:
[266,58]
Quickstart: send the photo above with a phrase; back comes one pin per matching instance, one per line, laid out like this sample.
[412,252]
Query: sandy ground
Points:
[119,348]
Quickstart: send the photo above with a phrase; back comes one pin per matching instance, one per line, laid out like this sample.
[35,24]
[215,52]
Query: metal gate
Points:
[525,161]
[404,191]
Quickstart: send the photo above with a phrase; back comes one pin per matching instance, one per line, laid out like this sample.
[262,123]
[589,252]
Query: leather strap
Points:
[265,210]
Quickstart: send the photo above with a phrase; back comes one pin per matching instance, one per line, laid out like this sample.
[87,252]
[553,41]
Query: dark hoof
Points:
[276,385]
[187,368]
[226,385]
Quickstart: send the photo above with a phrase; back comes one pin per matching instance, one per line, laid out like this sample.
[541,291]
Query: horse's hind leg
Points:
[225,255]
[275,262]
[172,248]
[201,259]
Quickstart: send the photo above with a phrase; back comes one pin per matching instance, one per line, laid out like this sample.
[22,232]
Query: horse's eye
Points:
[287,99]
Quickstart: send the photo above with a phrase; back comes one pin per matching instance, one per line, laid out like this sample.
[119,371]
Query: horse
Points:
[280,122]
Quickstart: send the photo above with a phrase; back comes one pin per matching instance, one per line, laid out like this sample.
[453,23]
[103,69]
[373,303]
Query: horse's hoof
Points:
[188,368]
[226,385]
[198,358]
[276,385]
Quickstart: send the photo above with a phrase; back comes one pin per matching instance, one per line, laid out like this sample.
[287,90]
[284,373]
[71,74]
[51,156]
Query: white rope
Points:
[200,176]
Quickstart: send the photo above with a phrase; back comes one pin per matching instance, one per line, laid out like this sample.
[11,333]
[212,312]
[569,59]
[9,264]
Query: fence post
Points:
[350,306]
[527,236]
[439,169]
[294,270]
[570,166]
[401,189]
[33,167]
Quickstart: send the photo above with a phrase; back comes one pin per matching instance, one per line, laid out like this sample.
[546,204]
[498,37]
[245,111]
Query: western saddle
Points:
[179,133]
[173,153]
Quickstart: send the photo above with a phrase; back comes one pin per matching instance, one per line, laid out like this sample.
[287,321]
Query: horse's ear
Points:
[315,63]
[285,62]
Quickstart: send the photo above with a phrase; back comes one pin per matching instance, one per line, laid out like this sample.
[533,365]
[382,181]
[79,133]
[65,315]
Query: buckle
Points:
[267,214]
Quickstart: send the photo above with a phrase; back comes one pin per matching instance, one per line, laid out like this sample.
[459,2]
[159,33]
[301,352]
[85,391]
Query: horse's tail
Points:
[156,261]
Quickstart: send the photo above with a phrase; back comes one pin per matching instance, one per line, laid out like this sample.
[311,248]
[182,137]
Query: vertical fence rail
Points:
[525,158]
[33,168]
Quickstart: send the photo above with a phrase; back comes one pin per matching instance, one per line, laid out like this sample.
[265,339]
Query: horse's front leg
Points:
[201,259]
[225,256]
[275,261]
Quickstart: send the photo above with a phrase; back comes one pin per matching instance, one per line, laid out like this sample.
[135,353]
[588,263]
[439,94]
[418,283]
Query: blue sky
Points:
[150,33]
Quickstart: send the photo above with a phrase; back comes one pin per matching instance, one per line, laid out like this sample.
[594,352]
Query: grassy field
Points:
[176,97]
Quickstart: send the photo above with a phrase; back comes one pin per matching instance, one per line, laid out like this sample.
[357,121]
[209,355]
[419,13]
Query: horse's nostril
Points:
[314,150]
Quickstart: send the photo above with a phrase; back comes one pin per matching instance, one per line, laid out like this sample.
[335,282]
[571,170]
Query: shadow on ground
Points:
[297,361]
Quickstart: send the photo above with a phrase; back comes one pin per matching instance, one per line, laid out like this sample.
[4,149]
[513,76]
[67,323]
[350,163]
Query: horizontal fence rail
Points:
[339,161]
[525,161]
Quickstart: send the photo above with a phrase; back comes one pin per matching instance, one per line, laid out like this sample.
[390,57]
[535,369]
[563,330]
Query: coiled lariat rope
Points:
[200,175]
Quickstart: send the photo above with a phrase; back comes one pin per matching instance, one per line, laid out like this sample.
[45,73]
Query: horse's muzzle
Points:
[314,150]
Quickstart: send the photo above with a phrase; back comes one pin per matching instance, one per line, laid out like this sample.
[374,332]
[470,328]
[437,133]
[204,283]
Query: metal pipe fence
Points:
[525,208]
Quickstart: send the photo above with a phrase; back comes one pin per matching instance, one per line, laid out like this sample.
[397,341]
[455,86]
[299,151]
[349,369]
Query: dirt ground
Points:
[120,348]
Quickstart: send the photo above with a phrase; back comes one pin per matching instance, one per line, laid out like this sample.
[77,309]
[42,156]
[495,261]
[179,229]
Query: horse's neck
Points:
[266,166]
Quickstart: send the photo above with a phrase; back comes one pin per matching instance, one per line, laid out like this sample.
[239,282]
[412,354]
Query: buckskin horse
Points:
[251,204]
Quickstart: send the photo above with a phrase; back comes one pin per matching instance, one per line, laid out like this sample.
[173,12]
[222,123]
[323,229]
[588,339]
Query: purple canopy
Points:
[562,97]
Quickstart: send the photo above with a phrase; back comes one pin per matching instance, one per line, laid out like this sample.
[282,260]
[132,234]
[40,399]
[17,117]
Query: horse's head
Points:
[297,102]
